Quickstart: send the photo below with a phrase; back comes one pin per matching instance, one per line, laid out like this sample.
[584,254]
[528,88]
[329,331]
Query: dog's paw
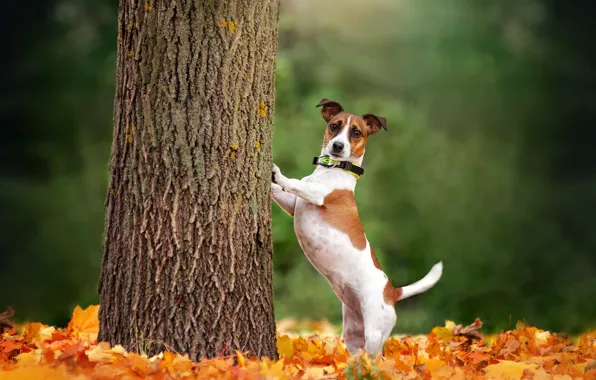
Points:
[275,174]
[275,188]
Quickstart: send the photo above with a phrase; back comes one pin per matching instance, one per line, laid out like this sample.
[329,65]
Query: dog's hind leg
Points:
[353,329]
[379,320]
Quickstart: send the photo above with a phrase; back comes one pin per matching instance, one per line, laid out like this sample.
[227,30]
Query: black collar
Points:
[328,162]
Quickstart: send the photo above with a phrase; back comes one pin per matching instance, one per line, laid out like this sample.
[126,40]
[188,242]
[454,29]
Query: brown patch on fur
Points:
[358,143]
[374,123]
[340,211]
[330,108]
[390,294]
[374,259]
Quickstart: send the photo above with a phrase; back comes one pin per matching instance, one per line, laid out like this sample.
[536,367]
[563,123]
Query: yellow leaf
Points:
[315,348]
[85,323]
[507,369]
[445,372]
[318,372]
[271,368]
[39,332]
[449,325]
[167,362]
[443,333]
[241,359]
[29,359]
[100,355]
[434,364]
[118,349]
[520,325]
[182,364]
[541,337]
[46,373]
[285,348]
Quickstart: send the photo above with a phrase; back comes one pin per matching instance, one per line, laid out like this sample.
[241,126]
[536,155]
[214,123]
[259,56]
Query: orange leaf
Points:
[85,323]
[476,357]
[138,364]
[402,367]
[508,369]
[10,345]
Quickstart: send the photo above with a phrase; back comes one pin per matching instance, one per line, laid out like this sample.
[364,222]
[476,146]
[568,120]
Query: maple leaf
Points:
[590,366]
[46,373]
[318,372]
[101,354]
[469,331]
[37,332]
[272,369]
[508,369]
[182,364]
[452,352]
[85,323]
[29,359]
[285,347]
[443,333]
[433,365]
[241,359]
[477,357]
[8,345]
[139,364]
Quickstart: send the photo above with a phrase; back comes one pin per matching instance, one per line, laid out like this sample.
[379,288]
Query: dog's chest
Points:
[331,235]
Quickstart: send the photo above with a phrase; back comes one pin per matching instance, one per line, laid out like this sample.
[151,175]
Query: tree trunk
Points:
[187,259]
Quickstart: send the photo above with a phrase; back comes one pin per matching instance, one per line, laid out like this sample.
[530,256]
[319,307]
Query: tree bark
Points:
[187,257]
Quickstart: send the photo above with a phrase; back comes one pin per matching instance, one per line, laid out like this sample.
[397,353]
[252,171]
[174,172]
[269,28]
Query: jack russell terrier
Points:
[329,231]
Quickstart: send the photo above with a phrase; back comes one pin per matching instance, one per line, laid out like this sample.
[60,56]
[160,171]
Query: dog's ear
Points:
[330,108]
[374,123]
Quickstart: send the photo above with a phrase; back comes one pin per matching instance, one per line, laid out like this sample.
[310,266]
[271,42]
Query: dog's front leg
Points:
[309,191]
[285,200]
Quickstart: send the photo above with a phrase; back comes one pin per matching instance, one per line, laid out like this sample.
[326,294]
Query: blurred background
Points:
[487,163]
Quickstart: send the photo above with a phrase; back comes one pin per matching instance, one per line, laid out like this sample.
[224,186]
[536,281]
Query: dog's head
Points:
[346,133]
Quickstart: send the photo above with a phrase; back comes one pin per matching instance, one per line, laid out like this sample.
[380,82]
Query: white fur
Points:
[427,282]
[285,200]
[313,192]
[367,318]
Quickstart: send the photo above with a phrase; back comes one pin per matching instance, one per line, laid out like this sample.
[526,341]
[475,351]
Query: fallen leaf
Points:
[507,370]
[29,359]
[100,354]
[469,331]
[285,347]
[449,352]
[85,323]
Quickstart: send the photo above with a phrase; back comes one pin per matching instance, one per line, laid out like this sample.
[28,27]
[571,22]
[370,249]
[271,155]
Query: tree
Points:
[187,257]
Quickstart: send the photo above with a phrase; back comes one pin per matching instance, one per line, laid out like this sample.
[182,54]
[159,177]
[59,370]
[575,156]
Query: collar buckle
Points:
[325,161]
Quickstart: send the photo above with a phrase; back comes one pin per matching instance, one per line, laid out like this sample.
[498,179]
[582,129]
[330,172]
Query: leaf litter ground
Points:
[38,351]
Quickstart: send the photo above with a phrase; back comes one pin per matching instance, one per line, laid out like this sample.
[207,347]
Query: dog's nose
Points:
[338,146]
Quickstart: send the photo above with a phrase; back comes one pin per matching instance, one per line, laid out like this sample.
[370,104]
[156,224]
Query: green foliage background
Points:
[486,165]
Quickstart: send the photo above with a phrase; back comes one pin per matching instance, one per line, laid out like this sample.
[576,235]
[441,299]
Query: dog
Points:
[329,231]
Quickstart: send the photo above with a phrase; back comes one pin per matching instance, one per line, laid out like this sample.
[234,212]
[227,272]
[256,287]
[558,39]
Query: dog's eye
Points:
[333,127]
[356,133]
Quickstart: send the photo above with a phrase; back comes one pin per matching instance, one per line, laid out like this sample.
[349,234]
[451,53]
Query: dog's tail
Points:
[420,286]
